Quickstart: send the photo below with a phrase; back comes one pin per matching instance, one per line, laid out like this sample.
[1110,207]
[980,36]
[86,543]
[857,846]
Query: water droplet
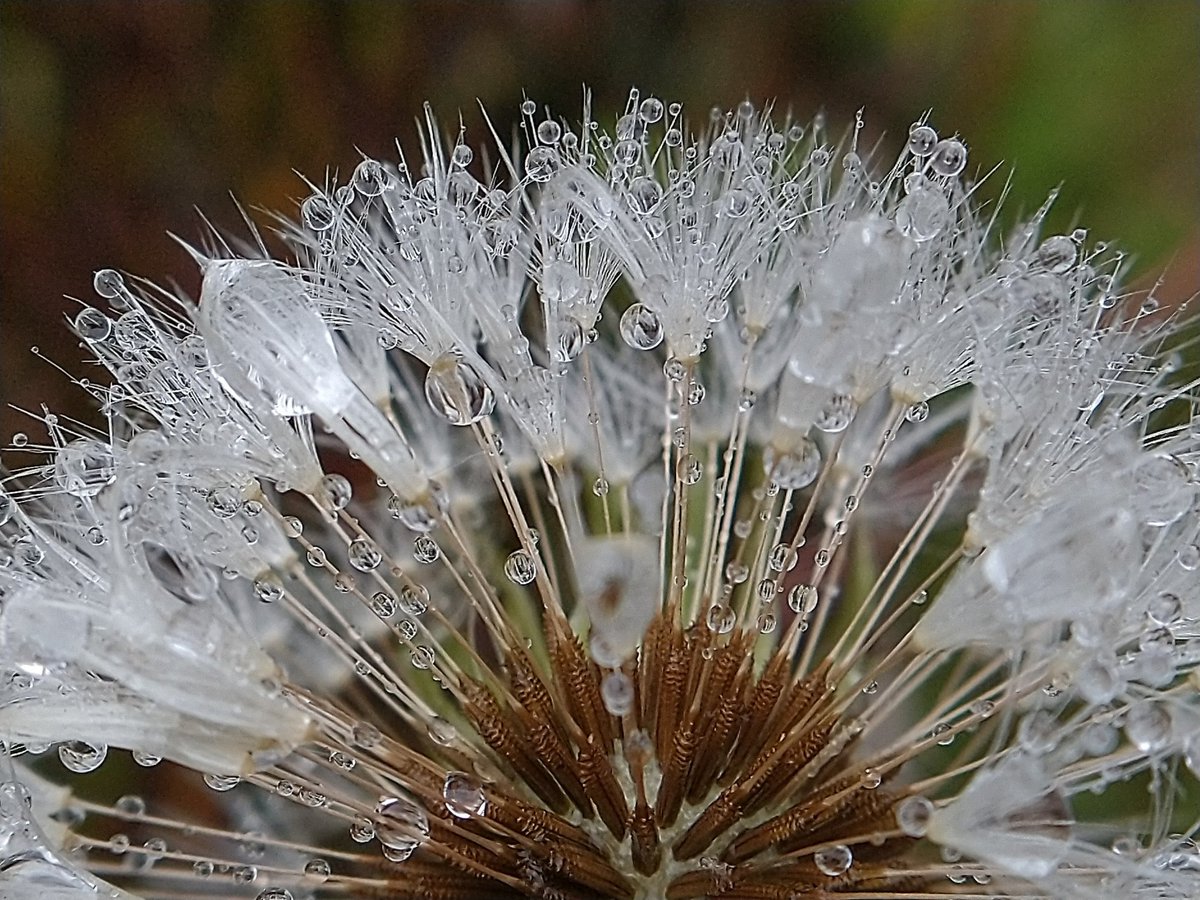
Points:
[616,690]
[721,618]
[421,657]
[275,893]
[383,604]
[335,491]
[318,213]
[921,140]
[82,756]
[364,556]
[795,468]
[1057,253]
[835,860]
[689,469]
[949,157]
[370,179]
[146,759]
[401,827]
[802,599]
[1162,489]
[426,549]
[1148,726]
[317,871]
[837,413]
[520,567]
[1165,609]
[109,284]
[222,782]
[600,487]
[292,527]
[542,163]
[362,830]
[651,110]
[131,805]
[913,815]
[268,588]
[641,328]
[414,599]
[549,132]
[918,412]
[457,392]
[92,325]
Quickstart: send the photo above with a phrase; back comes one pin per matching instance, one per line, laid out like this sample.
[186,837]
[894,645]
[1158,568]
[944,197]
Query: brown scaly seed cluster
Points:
[644,515]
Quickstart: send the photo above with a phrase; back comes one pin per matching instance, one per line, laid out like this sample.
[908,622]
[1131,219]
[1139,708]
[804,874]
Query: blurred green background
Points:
[120,117]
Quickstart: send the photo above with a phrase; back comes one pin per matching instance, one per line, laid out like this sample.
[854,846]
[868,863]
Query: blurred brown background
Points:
[120,117]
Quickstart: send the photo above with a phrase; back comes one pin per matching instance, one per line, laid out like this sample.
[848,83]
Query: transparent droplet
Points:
[1165,609]
[1148,727]
[795,468]
[1057,253]
[600,487]
[721,618]
[641,328]
[82,756]
[268,589]
[918,412]
[913,815]
[949,157]
[549,132]
[802,599]
[616,690]
[401,827]
[364,555]
[318,213]
[370,179]
[520,567]
[93,325]
[292,527]
[275,893]
[362,830]
[651,110]
[542,163]
[317,871]
[426,549]
[222,782]
[1162,489]
[414,599]
[383,604]
[835,860]
[689,469]
[921,140]
[421,658]
[457,392]
[336,491]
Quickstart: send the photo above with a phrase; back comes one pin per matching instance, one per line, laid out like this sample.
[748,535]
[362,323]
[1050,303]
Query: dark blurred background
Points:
[121,118]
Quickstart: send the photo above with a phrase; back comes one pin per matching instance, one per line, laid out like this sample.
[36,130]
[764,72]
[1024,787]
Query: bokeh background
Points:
[121,119]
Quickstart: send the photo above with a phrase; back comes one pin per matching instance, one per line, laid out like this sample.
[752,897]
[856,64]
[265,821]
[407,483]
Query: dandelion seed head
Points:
[634,512]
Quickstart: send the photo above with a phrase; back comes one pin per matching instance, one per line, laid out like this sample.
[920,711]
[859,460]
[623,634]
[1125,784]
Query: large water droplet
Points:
[457,392]
[520,567]
[464,795]
[82,756]
[835,860]
[641,328]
